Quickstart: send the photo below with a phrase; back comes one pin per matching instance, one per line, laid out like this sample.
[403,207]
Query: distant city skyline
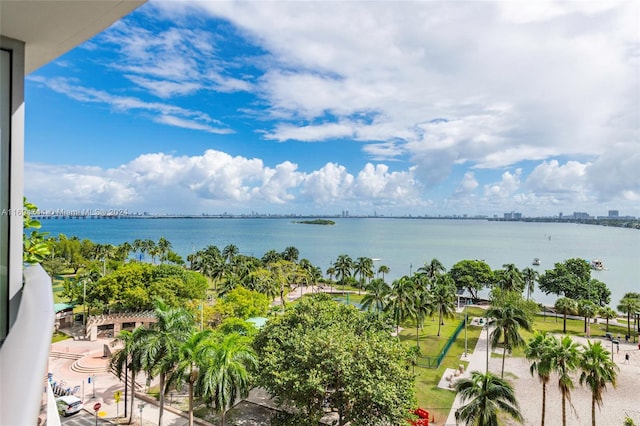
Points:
[410,108]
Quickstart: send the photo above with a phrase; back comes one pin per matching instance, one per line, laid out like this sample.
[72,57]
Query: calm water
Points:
[402,244]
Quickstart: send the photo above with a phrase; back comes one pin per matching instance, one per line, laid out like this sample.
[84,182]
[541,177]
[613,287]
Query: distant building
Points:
[581,215]
[614,213]
[513,216]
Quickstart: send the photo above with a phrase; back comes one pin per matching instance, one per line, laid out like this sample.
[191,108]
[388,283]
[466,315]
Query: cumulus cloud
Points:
[216,178]
[509,184]
[467,185]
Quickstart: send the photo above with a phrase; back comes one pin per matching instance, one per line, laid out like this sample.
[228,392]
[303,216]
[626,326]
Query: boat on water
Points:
[536,261]
[597,264]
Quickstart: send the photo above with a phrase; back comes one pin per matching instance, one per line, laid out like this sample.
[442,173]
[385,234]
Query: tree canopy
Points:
[136,285]
[322,352]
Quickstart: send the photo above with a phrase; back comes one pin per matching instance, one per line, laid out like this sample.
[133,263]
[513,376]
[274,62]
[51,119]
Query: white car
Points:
[68,404]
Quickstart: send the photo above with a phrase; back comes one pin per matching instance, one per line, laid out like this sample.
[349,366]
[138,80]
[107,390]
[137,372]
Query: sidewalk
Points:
[104,383]
[477,361]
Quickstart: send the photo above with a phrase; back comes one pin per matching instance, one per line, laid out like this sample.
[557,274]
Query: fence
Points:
[434,362]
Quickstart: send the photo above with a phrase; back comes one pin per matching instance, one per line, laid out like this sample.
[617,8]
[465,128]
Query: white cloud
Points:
[509,184]
[193,182]
[467,185]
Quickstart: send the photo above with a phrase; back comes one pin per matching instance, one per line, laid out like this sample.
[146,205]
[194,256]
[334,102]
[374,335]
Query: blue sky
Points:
[317,107]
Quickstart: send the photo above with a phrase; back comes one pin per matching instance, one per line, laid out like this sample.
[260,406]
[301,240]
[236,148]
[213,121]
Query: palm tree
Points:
[423,306]
[509,319]
[343,266]
[565,359]
[161,342]
[530,277]
[565,306]
[363,266]
[432,269]
[377,293]
[629,305]
[186,368]
[597,370]
[291,254]
[512,278]
[129,357]
[383,269]
[229,252]
[443,298]
[224,372]
[587,309]
[401,300]
[607,313]
[538,351]
[488,395]
[164,246]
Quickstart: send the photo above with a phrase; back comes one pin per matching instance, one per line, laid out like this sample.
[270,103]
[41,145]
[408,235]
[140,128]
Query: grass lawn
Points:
[428,395]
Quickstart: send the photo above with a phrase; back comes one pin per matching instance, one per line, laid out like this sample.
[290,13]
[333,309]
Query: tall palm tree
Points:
[400,301]
[443,298]
[597,370]
[629,305]
[423,306]
[164,246]
[509,318]
[229,252]
[512,278]
[363,266]
[129,357]
[587,309]
[530,277]
[291,254]
[432,269]
[160,344]
[565,306]
[538,351]
[565,356]
[377,293]
[343,266]
[186,368]
[607,313]
[488,395]
[224,372]
[383,269]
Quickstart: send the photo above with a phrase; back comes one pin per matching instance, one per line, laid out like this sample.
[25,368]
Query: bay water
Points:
[401,244]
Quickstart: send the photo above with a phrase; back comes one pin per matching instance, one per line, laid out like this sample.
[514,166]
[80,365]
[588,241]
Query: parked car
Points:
[68,404]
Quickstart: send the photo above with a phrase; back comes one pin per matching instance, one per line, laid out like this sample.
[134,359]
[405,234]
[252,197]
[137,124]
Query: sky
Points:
[372,107]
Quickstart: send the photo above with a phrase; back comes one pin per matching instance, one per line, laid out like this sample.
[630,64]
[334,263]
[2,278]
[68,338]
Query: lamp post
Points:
[141,407]
[84,305]
[612,342]
[465,330]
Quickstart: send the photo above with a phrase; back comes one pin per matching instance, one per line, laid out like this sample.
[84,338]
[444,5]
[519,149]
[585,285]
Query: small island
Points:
[316,222]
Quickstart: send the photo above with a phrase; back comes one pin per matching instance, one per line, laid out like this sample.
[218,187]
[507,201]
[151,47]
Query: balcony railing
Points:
[24,353]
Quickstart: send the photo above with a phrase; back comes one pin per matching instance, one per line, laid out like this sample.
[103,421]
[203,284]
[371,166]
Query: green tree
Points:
[629,305]
[322,351]
[539,352]
[432,269]
[129,357]
[400,300]
[343,266]
[597,370]
[565,358]
[569,278]
[291,254]
[512,279]
[530,277]
[487,396]
[377,293]
[566,306]
[363,266]
[473,275]
[187,365]
[509,319]
[225,368]
[443,298]
[160,345]
[607,313]
[587,309]
[383,269]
